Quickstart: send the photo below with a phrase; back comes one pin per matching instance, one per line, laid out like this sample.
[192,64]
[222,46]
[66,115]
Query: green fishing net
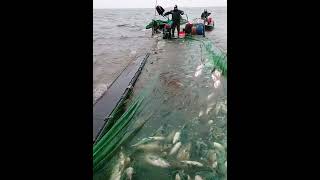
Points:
[168,97]
[216,58]
[158,22]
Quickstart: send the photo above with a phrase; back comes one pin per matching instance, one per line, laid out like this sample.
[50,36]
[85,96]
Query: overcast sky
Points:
[102,4]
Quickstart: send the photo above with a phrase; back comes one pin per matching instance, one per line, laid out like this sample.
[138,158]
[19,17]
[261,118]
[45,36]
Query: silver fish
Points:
[169,138]
[178,177]
[218,146]
[157,138]
[195,163]
[212,158]
[189,178]
[119,167]
[156,161]
[215,164]
[176,137]
[129,172]
[175,148]
[197,177]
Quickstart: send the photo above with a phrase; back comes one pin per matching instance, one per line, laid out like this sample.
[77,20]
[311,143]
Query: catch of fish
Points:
[180,152]
[173,152]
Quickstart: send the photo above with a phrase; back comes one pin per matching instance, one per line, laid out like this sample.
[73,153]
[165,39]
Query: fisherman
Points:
[176,17]
[205,15]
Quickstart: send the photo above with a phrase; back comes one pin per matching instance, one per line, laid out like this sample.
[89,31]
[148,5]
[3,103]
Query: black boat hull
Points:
[209,27]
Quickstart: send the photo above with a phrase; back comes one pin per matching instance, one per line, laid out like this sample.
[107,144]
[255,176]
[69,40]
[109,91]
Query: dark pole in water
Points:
[155,12]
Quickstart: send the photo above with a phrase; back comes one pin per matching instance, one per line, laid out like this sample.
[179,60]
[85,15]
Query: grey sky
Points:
[101,4]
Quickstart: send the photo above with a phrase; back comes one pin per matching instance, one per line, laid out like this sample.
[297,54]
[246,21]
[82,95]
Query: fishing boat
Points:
[195,27]
[209,24]
[164,24]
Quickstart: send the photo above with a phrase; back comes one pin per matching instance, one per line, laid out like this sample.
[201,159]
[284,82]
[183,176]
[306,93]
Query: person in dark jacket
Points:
[205,15]
[176,17]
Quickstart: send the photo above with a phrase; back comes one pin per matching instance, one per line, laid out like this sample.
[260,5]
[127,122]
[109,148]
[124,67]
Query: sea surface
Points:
[119,35]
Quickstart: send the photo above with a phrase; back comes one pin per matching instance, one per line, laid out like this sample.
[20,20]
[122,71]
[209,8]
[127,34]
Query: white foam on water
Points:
[99,91]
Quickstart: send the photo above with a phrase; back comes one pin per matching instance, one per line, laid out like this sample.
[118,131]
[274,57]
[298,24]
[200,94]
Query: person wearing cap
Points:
[176,17]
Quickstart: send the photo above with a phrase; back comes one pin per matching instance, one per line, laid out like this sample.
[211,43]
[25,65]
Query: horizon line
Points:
[163,7]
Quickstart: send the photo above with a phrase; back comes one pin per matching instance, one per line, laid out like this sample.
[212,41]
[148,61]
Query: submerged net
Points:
[116,135]
[175,95]
[126,119]
[216,58]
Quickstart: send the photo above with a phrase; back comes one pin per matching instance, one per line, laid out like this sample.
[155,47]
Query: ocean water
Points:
[119,35]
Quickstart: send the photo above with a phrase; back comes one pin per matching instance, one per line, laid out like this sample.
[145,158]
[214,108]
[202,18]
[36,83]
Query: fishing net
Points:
[216,58]
[126,119]
[174,95]
[158,23]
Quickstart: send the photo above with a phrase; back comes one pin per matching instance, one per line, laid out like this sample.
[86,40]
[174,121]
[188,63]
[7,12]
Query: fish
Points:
[154,146]
[212,158]
[197,177]
[218,146]
[215,164]
[195,163]
[200,113]
[156,161]
[184,152]
[119,167]
[217,84]
[175,148]
[176,137]
[189,178]
[225,164]
[214,78]
[129,172]
[217,73]
[210,122]
[178,177]
[145,140]
[157,138]
[169,138]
